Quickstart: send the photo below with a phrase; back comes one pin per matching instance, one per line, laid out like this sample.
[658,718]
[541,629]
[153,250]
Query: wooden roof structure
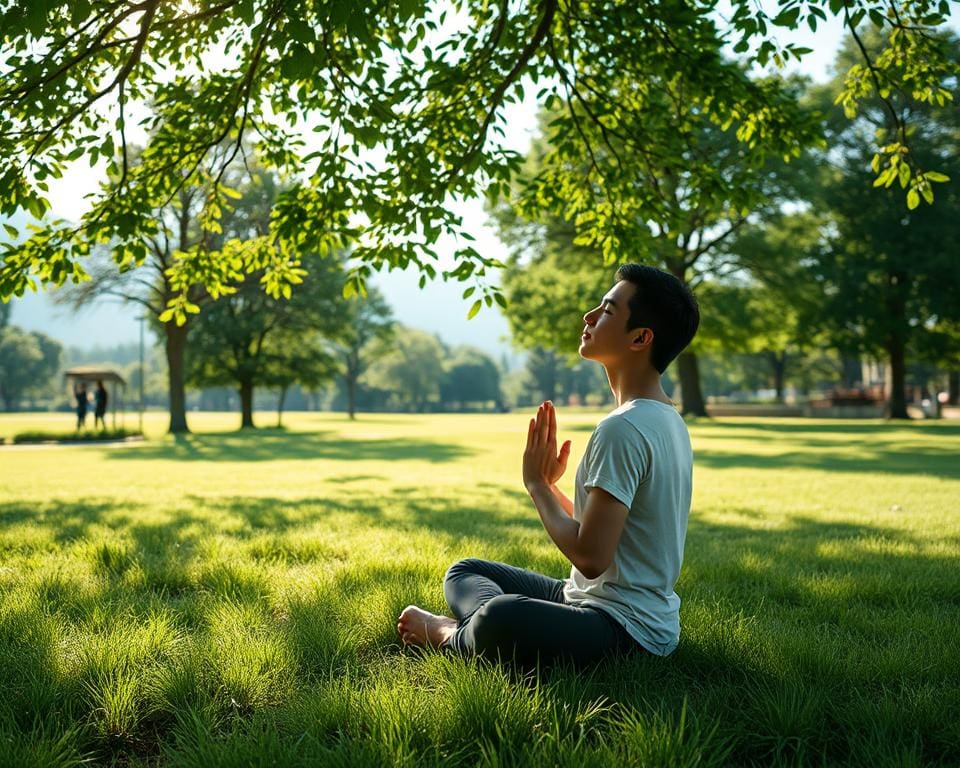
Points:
[87,373]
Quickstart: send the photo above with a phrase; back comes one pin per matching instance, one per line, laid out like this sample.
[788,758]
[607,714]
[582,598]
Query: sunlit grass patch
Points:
[230,598]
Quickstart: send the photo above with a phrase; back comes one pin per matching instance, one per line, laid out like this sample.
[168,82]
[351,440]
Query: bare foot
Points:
[427,630]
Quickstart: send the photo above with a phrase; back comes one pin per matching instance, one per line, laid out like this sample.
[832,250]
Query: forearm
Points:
[565,503]
[561,527]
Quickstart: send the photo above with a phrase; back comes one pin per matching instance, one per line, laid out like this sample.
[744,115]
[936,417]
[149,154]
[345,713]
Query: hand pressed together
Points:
[542,463]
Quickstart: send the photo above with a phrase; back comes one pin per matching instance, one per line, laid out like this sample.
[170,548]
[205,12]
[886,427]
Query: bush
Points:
[74,437]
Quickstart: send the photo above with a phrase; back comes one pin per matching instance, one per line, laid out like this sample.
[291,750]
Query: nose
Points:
[590,318]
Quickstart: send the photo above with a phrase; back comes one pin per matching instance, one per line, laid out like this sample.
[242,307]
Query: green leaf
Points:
[787,18]
[934,176]
[904,175]
[913,199]
[12,231]
[474,309]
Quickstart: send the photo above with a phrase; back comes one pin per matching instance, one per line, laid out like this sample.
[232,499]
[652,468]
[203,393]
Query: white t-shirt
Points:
[640,454]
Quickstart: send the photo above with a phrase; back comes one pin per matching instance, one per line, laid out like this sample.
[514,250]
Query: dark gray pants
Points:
[509,613]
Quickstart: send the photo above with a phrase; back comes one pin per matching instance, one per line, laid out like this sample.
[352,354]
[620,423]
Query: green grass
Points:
[230,599]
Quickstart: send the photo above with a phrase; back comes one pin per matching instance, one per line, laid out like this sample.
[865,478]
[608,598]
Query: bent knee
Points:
[495,626]
[463,567]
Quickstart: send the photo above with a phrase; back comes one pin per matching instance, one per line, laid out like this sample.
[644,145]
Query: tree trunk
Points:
[688,371]
[283,396]
[175,340]
[896,398]
[246,404]
[778,360]
[351,396]
[897,349]
[852,375]
[953,388]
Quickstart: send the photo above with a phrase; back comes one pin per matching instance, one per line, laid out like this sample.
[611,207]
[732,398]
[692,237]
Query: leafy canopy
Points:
[382,111]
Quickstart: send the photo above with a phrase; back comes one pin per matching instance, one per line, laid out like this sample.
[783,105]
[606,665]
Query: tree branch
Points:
[150,9]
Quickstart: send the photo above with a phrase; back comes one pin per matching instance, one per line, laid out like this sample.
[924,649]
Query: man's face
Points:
[605,337]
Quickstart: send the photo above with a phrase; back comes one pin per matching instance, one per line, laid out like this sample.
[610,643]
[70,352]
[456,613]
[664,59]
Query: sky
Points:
[438,307]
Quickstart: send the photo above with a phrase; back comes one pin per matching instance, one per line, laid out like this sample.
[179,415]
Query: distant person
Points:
[80,393]
[623,532]
[100,406]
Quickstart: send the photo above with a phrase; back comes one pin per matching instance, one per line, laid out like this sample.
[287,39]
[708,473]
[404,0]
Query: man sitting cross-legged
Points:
[624,531]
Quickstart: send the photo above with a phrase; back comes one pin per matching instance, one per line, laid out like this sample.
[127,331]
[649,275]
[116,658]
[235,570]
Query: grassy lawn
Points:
[230,599]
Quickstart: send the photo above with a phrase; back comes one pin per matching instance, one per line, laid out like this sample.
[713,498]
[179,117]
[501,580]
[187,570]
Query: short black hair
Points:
[665,305]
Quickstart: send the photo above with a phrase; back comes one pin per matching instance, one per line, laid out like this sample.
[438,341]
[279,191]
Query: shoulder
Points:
[644,422]
[616,424]
[643,415]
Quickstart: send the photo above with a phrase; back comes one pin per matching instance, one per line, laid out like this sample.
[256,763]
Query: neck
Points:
[627,385]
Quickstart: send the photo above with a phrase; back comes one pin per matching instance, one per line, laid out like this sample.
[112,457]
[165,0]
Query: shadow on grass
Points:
[815,426]
[870,458]
[887,448]
[279,445]
[797,640]
[406,509]
[862,429]
[825,565]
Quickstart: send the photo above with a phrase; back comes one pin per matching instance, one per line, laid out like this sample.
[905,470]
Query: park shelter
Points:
[90,375]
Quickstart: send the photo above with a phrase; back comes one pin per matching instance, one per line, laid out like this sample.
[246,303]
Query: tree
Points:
[293,357]
[888,275]
[674,204]
[410,368]
[774,309]
[470,376]
[366,320]
[153,283]
[248,337]
[150,287]
[27,363]
[421,87]
[544,369]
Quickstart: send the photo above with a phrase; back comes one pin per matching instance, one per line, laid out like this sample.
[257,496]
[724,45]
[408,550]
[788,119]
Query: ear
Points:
[642,338]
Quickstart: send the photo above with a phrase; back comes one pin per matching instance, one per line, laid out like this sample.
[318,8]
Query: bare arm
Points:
[565,503]
[591,543]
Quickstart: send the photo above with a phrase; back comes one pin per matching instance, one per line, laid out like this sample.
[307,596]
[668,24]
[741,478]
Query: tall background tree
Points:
[674,204]
[410,368]
[470,378]
[248,338]
[366,324]
[772,306]
[150,283]
[889,275]
[28,363]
